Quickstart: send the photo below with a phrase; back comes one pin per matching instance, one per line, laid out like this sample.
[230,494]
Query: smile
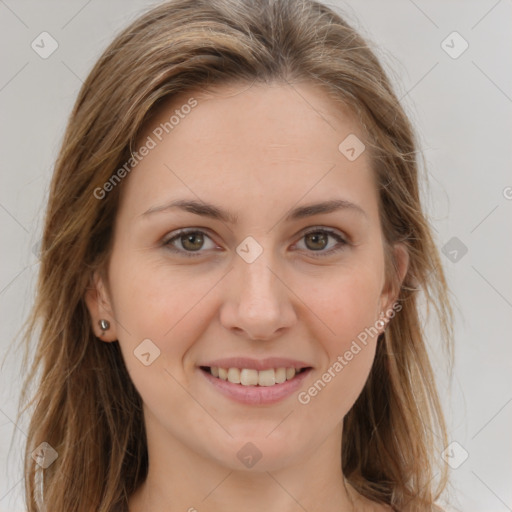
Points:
[252,377]
[255,387]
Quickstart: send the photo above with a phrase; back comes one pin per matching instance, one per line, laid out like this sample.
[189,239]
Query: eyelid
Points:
[330,231]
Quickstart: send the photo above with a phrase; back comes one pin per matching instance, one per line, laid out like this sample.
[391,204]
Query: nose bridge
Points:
[259,302]
[259,285]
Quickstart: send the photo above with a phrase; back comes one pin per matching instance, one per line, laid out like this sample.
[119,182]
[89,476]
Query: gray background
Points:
[461,108]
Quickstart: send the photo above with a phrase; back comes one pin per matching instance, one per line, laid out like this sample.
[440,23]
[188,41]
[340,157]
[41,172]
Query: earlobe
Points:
[100,309]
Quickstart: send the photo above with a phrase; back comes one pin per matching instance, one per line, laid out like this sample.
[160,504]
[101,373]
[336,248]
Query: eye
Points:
[188,242]
[318,239]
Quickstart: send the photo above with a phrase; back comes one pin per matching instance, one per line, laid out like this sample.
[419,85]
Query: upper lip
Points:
[256,364]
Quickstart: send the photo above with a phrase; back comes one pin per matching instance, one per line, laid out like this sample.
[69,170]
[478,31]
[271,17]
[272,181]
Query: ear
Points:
[100,308]
[396,273]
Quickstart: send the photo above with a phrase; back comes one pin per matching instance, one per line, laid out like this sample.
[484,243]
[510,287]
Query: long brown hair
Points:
[82,400]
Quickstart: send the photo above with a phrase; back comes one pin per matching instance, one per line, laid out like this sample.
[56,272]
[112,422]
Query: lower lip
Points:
[257,395]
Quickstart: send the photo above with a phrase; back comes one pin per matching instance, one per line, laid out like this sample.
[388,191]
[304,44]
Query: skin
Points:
[259,151]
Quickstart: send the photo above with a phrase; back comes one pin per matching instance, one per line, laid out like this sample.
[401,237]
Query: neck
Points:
[181,479]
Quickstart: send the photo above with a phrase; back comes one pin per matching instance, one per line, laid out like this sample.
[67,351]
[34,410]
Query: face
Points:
[247,281]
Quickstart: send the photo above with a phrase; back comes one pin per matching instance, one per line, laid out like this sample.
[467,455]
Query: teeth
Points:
[280,375]
[251,377]
[290,373]
[248,377]
[234,375]
[267,377]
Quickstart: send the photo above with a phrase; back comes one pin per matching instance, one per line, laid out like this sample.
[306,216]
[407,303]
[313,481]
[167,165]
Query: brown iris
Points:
[192,241]
[319,240]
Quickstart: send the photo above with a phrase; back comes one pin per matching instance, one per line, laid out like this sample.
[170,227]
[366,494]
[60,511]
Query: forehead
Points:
[252,145]
[274,115]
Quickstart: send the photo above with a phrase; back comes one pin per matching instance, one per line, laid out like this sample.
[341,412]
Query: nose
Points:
[258,303]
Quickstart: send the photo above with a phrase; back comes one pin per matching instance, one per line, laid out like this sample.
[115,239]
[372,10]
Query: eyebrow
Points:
[214,212]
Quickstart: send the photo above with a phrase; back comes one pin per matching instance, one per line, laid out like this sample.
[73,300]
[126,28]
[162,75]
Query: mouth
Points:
[262,386]
[251,377]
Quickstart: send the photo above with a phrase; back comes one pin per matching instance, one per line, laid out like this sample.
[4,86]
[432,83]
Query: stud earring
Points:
[381,323]
[104,325]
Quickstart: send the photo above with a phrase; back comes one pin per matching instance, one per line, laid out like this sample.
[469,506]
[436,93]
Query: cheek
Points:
[346,304]
[348,308]
[150,302]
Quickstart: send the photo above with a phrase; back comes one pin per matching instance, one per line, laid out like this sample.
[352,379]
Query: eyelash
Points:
[319,254]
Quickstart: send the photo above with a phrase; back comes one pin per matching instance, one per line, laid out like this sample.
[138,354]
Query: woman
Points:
[228,294]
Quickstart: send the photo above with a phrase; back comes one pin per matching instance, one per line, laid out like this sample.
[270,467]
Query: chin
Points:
[259,453]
